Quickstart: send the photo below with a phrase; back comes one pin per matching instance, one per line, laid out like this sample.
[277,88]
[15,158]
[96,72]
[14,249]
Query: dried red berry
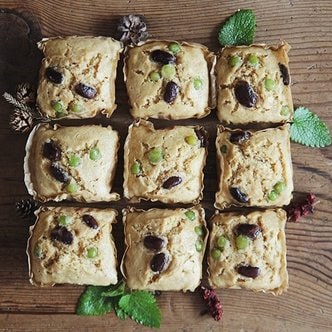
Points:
[214,304]
[299,209]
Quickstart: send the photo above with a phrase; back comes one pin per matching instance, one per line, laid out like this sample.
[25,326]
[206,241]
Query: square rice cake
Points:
[253,84]
[164,248]
[77,76]
[164,164]
[255,168]
[74,163]
[249,251]
[72,245]
[169,80]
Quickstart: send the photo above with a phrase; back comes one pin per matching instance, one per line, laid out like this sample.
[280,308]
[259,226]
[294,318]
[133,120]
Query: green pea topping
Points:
[57,106]
[60,114]
[94,154]
[279,187]
[198,83]
[154,76]
[284,111]
[269,84]
[74,160]
[76,108]
[168,71]
[64,220]
[92,252]
[242,241]
[222,241]
[272,196]
[190,214]
[155,156]
[175,48]
[223,149]
[191,140]
[234,61]
[136,168]
[199,245]
[37,251]
[199,230]
[215,253]
[72,187]
[253,60]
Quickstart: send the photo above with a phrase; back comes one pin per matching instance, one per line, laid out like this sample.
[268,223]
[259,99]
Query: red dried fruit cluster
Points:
[296,210]
[211,299]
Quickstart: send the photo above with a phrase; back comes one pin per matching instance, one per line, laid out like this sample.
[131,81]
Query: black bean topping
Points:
[171,92]
[90,221]
[51,151]
[162,57]
[61,234]
[158,262]
[238,195]
[249,271]
[245,94]
[172,182]
[154,242]
[58,173]
[53,75]
[85,91]
[250,230]
[202,137]
[239,136]
[284,74]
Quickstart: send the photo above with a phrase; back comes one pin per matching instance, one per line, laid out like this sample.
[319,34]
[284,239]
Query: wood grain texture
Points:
[307,26]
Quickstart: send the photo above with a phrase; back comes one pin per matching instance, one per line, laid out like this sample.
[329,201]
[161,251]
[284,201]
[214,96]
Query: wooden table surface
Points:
[307,26]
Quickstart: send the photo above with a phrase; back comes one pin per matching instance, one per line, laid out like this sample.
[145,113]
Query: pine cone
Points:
[26,94]
[26,208]
[21,120]
[132,29]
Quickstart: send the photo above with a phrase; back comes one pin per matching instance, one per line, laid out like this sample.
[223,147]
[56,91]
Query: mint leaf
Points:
[119,312]
[92,303]
[309,130]
[239,29]
[115,290]
[141,306]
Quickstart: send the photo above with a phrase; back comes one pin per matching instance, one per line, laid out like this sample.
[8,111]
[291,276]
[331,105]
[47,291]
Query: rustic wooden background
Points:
[307,26]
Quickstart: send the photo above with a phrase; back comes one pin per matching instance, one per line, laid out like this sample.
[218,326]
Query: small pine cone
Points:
[21,120]
[132,29]
[26,94]
[26,208]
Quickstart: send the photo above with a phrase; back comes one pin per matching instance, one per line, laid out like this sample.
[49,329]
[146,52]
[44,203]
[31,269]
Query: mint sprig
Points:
[239,29]
[308,129]
[140,306]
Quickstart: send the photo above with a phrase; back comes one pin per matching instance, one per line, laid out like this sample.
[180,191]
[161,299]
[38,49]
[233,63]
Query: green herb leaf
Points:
[92,303]
[119,312]
[115,290]
[239,29]
[309,130]
[141,306]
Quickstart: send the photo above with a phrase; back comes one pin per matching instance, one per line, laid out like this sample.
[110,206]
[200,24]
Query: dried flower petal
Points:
[25,93]
[211,299]
[21,120]
[297,210]
[132,29]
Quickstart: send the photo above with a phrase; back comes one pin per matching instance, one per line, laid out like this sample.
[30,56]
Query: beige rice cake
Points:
[72,245]
[164,164]
[164,248]
[253,84]
[169,80]
[249,251]
[255,168]
[77,76]
[73,163]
